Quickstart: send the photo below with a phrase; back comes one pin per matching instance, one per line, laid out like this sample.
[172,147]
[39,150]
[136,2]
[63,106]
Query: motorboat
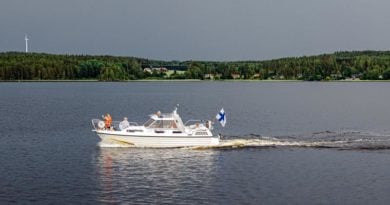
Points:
[161,130]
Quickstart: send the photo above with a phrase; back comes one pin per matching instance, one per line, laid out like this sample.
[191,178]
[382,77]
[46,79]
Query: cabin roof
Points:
[164,116]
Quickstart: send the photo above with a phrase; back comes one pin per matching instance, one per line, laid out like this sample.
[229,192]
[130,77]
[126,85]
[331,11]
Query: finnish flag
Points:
[221,117]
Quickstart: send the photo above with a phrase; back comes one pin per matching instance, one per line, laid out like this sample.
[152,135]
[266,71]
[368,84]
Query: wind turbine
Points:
[26,39]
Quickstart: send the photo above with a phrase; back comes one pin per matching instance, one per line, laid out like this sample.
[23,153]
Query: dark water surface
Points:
[292,143]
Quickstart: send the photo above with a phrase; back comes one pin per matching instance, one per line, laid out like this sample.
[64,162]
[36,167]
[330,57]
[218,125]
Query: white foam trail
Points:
[112,145]
[241,143]
[264,142]
[258,142]
[236,143]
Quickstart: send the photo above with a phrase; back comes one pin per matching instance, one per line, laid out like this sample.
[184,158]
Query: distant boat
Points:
[161,130]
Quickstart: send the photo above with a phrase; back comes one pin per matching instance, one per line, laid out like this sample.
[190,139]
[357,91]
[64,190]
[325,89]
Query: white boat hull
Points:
[161,130]
[157,141]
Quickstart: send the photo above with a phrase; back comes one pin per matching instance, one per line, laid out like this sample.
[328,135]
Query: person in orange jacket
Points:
[108,121]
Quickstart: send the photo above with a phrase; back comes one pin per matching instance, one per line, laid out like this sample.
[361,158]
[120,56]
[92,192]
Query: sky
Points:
[221,30]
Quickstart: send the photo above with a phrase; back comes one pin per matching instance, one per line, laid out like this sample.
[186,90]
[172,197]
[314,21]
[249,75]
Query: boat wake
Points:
[327,139]
[350,140]
[114,145]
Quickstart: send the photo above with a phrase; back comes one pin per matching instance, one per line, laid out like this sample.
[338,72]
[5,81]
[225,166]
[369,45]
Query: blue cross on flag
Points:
[221,117]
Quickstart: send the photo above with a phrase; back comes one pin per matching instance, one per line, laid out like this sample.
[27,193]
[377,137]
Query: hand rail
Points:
[114,124]
[201,121]
[95,122]
[133,123]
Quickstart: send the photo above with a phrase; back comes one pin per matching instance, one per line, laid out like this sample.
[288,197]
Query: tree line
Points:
[366,65]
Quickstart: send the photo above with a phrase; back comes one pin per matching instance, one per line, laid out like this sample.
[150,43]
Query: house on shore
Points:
[235,76]
[157,69]
[212,76]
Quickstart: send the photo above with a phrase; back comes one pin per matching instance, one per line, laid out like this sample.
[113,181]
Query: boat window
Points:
[134,130]
[169,124]
[173,124]
[156,124]
[163,124]
[149,122]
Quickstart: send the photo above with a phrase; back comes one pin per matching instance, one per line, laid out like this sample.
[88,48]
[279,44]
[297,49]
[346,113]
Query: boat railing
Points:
[193,122]
[133,124]
[95,123]
[114,124]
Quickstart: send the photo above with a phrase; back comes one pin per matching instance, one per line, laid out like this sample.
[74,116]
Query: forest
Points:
[363,65]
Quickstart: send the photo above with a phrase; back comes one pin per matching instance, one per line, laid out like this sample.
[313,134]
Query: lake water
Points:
[297,143]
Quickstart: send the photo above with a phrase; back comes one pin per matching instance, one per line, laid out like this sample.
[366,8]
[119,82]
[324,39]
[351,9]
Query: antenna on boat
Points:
[175,110]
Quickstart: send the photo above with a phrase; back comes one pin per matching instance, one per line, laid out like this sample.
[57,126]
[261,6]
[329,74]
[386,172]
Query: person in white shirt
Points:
[124,124]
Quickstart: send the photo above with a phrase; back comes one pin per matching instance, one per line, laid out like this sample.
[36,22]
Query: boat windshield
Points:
[149,122]
[162,124]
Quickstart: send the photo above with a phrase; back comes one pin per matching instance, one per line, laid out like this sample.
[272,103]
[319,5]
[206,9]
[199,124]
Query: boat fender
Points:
[101,124]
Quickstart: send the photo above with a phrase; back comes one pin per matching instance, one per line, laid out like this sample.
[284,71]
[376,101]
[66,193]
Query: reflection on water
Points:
[155,175]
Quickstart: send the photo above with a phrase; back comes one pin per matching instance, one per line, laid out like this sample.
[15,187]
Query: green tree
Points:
[90,69]
[386,74]
[112,72]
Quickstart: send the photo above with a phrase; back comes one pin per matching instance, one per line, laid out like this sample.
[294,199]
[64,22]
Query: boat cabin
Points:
[165,121]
